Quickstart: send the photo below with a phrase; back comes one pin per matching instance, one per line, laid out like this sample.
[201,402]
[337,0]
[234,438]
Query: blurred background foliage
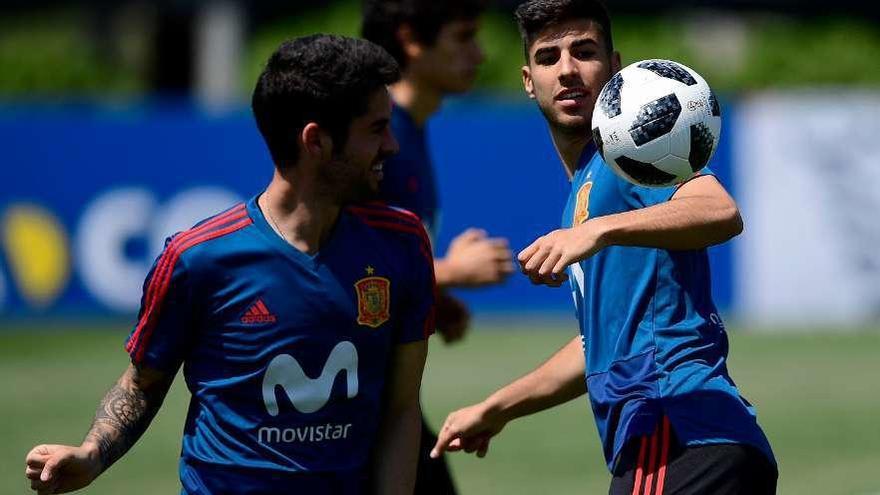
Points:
[69,51]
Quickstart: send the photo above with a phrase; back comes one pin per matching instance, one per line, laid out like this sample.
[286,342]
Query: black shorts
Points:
[658,465]
[432,475]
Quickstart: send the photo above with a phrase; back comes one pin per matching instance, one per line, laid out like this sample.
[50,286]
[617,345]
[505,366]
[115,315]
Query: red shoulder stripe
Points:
[424,245]
[160,266]
[164,268]
[387,212]
[425,249]
[149,318]
[230,221]
[223,217]
[385,217]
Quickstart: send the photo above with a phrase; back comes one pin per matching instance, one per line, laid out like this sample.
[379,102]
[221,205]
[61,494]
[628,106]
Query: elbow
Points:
[733,222]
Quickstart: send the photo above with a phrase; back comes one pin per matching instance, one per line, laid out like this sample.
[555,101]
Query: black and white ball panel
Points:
[655,119]
[669,70]
[597,140]
[609,99]
[713,104]
[643,173]
[702,146]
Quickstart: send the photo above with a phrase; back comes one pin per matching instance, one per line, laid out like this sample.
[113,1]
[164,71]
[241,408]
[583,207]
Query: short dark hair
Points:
[320,78]
[382,19]
[534,16]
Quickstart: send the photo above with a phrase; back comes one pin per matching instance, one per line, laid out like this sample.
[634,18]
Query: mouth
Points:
[377,169]
[575,95]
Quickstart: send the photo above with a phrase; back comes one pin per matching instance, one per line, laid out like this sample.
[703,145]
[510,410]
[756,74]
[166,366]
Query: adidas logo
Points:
[258,314]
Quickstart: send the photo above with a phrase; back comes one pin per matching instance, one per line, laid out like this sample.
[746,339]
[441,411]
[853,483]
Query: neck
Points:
[297,212]
[418,99]
[569,145]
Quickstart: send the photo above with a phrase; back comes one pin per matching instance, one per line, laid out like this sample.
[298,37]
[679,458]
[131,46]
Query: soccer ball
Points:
[656,123]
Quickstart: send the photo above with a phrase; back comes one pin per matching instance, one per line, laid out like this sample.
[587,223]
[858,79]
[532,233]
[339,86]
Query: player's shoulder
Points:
[203,238]
[391,221]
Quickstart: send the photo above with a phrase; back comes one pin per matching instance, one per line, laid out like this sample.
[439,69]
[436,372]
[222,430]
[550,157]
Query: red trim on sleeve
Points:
[160,266]
[161,279]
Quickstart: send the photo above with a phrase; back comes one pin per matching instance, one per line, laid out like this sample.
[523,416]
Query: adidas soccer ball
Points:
[656,123]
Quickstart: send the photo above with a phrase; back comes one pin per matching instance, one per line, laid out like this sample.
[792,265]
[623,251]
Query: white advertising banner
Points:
[807,168]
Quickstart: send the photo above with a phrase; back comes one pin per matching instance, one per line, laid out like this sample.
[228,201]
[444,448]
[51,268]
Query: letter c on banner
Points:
[107,223]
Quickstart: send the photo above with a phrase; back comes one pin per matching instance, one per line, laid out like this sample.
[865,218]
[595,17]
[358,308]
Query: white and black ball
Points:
[656,123]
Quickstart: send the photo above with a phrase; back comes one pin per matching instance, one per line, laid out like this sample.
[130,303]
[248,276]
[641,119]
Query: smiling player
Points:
[268,303]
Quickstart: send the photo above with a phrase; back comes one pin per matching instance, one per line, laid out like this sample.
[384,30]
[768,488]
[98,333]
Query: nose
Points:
[567,66]
[389,143]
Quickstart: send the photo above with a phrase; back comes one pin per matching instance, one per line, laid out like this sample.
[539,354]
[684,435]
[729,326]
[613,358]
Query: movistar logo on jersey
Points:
[310,394]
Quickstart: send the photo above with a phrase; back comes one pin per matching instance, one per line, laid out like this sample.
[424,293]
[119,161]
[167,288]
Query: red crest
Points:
[374,301]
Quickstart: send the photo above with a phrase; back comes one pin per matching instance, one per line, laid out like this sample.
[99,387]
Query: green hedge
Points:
[51,54]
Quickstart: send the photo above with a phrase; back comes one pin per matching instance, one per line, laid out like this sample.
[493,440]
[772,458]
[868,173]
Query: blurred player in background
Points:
[652,346]
[436,45]
[297,283]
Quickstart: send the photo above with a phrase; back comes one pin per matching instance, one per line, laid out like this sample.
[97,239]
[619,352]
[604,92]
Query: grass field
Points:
[818,398]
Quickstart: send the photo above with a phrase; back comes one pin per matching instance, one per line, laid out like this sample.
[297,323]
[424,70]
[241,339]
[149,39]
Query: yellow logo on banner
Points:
[37,249]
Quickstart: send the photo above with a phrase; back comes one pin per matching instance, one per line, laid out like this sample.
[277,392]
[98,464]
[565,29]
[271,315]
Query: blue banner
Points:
[88,195]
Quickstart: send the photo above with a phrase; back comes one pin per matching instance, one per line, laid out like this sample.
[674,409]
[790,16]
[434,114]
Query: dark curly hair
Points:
[321,78]
[535,15]
[382,18]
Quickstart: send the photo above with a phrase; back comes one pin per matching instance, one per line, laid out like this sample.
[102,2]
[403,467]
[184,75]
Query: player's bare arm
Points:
[473,260]
[700,214]
[558,380]
[397,445]
[122,417]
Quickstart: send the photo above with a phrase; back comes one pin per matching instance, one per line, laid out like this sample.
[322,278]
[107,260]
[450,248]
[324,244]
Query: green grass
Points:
[817,398]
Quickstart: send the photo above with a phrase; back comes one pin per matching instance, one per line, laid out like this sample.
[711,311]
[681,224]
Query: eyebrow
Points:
[575,44]
[584,41]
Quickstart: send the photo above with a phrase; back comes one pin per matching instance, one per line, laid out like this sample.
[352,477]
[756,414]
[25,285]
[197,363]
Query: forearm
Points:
[124,414]
[397,452]
[559,380]
[692,222]
[444,274]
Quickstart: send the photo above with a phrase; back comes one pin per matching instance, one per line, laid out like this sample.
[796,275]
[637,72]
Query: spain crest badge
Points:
[582,204]
[374,301]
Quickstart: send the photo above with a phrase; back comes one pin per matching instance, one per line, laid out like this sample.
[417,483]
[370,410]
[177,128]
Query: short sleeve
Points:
[162,335]
[642,197]
[417,321]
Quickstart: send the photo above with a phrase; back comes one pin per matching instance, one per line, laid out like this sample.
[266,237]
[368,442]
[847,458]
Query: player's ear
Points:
[615,62]
[527,81]
[411,46]
[316,142]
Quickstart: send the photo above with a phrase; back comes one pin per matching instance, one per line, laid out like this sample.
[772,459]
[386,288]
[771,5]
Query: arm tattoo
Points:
[123,416]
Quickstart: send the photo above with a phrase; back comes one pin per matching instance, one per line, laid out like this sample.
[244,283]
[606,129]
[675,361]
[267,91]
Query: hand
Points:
[61,468]
[469,429]
[473,259]
[452,317]
[545,260]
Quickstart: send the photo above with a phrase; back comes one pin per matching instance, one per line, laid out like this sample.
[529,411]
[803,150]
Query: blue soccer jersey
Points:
[653,341]
[408,177]
[285,353]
